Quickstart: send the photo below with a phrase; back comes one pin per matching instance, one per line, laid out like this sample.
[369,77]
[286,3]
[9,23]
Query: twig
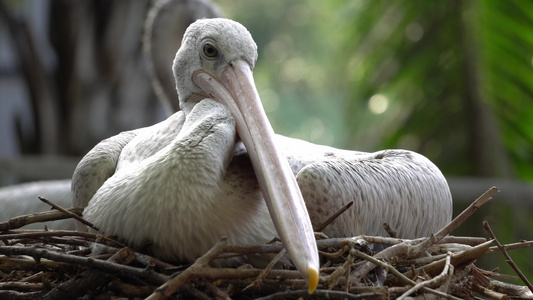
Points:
[90,279]
[18,222]
[35,277]
[152,261]
[507,257]
[18,295]
[333,279]
[66,212]
[518,291]
[400,275]
[174,284]
[33,234]
[201,269]
[490,293]
[264,273]
[390,231]
[18,285]
[454,223]
[513,246]
[321,294]
[461,258]
[497,275]
[447,271]
[26,264]
[334,255]
[128,271]
[337,242]
[324,224]
[128,290]
[79,285]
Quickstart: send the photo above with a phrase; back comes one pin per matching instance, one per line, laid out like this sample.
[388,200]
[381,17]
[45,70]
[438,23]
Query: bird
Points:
[215,168]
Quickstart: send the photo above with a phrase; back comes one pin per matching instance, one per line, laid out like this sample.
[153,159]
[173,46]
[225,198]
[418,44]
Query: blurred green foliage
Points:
[452,80]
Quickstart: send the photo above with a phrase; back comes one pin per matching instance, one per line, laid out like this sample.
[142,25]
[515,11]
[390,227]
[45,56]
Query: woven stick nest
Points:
[60,265]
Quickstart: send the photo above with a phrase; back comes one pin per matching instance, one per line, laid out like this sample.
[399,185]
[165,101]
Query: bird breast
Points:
[173,188]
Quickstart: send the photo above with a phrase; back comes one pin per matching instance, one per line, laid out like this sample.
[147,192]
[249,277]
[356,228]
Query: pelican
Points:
[215,168]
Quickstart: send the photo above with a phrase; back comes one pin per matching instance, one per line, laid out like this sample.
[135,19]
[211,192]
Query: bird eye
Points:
[210,50]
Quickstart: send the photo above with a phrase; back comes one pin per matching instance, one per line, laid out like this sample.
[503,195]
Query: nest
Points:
[60,264]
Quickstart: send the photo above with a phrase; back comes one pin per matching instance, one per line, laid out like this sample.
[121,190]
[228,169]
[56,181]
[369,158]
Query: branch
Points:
[455,222]
[325,224]
[68,213]
[320,294]
[38,253]
[513,246]
[447,272]
[507,257]
[18,222]
[50,233]
[399,275]
[174,284]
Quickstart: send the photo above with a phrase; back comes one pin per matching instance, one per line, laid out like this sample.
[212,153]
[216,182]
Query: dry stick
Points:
[518,291]
[35,277]
[20,221]
[457,259]
[447,271]
[507,257]
[275,260]
[336,242]
[454,223]
[174,284]
[410,249]
[513,246]
[264,273]
[127,290]
[10,294]
[391,231]
[465,240]
[66,212]
[421,260]
[215,290]
[51,233]
[89,280]
[400,275]
[320,294]
[20,285]
[131,272]
[150,261]
[334,255]
[333,279]
[489,293]
[493,274]
[201,269]
[334,216]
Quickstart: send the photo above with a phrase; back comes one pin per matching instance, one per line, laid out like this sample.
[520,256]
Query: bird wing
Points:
[96,167]
[398,187]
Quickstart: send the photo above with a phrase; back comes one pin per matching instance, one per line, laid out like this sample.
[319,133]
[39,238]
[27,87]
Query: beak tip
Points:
[312,277]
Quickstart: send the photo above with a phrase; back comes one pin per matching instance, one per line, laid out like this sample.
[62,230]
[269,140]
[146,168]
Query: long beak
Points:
[236,89]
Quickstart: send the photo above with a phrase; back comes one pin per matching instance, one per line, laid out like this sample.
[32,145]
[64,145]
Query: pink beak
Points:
[236,89]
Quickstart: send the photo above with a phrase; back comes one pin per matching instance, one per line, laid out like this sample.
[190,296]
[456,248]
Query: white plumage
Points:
[185,182]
